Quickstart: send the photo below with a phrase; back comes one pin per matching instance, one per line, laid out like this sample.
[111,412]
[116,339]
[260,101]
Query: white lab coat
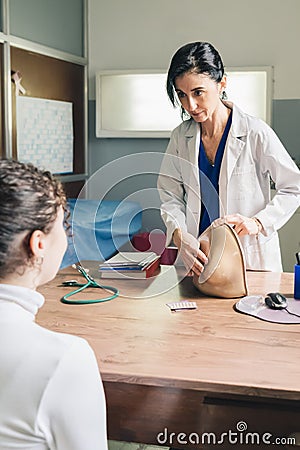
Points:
[252,155]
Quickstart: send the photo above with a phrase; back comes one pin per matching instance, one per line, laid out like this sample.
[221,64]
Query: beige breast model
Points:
[225,274]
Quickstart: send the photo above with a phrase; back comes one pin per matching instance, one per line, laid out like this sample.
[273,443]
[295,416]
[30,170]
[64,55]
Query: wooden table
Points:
[193,372]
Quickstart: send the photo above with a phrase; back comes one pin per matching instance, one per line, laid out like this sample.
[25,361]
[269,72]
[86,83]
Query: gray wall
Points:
[104,157]
[285,121]
[136,34]
[57,24]
[140,34]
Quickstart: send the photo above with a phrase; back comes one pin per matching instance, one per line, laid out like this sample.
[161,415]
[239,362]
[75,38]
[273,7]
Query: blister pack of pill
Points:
[179,306]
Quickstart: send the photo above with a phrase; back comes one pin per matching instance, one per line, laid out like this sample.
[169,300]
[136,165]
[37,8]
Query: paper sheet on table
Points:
[45,133]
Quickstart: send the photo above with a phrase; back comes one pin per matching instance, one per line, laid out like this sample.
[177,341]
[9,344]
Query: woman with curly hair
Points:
[51,394]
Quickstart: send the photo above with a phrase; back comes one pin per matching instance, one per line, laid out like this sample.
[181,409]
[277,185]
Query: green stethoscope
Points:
[90,283]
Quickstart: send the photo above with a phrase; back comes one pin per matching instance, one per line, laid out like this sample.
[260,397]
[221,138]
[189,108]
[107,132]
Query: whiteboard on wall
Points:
[135,103]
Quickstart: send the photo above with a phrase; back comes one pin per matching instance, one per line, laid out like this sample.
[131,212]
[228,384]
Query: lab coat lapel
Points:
[234,146]
[192,136]
[233,150]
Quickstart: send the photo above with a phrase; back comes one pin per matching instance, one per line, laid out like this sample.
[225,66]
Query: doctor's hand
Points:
[189,250]
[242,225]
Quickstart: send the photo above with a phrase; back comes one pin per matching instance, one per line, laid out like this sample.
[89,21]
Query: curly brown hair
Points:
[29,201]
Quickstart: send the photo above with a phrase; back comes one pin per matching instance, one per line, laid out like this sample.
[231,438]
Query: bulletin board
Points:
[44,77]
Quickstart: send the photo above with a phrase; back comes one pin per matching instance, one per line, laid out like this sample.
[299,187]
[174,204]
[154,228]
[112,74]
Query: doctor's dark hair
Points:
[195,57]
[29,201]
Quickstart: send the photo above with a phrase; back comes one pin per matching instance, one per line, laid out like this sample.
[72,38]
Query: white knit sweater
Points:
[51,393]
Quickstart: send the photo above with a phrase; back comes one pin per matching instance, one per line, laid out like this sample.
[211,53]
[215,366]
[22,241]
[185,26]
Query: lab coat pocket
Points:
[263,252]
[243,183]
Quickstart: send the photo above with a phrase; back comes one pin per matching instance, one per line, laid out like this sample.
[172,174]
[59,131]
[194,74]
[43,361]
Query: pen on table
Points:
[298,258]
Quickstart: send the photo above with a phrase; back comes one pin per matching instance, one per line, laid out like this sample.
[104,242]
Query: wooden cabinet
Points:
[2,125]
[52,67]
[192,420]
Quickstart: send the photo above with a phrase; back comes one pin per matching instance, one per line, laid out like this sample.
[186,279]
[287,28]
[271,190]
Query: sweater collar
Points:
[28,299]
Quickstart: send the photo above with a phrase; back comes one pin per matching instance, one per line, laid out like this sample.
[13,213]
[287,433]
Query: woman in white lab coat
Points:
[51,394]
[218,165]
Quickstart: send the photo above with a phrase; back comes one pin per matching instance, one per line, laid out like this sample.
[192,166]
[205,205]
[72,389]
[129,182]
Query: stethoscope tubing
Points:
[90,283]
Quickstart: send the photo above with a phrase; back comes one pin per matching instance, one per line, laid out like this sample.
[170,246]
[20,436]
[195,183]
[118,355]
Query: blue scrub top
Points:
[209,181]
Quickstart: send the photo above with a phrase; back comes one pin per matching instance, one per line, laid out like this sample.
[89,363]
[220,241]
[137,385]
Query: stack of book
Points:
[130,265]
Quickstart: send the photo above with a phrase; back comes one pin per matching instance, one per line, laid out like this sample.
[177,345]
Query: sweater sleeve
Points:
[72,413]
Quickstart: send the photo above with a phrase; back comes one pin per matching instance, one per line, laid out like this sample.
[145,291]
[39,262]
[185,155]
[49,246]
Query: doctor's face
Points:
[199,95]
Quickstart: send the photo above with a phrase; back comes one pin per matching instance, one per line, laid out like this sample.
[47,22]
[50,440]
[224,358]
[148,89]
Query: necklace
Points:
[211,145]
[211,148]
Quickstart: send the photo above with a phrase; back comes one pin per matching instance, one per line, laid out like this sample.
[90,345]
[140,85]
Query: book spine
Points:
[120,268]
[147,272]
[152,268]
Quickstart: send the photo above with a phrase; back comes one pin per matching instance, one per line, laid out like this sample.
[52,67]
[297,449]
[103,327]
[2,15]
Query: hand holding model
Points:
[190,252]
[242,225]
